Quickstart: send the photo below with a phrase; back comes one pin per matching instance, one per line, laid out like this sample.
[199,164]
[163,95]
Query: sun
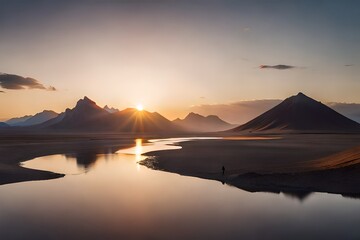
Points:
[139,107]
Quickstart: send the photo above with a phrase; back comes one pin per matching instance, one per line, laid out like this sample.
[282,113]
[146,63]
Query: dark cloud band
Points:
[16,82]
[278,67]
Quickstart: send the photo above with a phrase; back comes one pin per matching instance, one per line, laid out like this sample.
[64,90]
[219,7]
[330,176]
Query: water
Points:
[116,198]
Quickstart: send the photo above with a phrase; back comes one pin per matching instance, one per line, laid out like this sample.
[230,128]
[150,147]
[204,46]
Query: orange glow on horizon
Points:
[139,107]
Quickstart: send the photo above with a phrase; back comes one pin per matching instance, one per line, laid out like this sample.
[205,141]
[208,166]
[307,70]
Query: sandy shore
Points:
[294,163]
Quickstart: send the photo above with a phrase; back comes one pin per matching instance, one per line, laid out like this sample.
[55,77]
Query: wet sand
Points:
[290,163]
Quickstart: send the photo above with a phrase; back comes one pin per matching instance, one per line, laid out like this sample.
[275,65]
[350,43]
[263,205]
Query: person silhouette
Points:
[223,170]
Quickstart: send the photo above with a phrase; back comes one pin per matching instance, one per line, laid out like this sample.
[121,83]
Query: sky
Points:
[173,55]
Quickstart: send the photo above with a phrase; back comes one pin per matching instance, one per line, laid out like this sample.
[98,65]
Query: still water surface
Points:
[116,198]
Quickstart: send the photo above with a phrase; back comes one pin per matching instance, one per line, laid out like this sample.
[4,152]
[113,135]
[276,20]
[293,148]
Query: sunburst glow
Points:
[139,107]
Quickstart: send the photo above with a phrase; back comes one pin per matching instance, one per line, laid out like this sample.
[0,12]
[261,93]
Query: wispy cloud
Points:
[16,82]
[278,67]
[349,65]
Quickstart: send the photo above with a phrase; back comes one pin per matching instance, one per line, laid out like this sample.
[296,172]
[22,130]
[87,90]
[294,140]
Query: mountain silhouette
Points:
[301,113]
[131,119]
[198,123]
[30,120]
[17,120]
[350,110]
[110,109]
[4,125]
[87,116]
[39,118]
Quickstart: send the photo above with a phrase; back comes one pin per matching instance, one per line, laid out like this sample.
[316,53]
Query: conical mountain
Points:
[198,123]
[300,113]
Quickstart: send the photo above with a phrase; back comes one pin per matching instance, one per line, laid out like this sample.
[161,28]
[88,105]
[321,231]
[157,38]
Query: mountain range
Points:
[17,120]
[197,123]
[296,113]
[300,113]
[88,116]
[111,109]
[30,120]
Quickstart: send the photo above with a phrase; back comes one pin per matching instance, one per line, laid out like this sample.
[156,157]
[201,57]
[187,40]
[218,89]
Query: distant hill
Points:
[300,113]
[39,118]
[51,121]
[198,123]
[4,125]
[87,116]
[111,109]
[17,120]
[33,119]
[350,110]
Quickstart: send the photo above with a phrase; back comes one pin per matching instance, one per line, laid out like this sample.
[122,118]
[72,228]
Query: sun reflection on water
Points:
[138,152]
[138,149]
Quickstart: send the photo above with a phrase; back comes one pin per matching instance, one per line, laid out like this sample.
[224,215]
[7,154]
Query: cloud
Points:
[16,82]
[349,65]
[2,91]
[12,81]
[51,88]
[278,67]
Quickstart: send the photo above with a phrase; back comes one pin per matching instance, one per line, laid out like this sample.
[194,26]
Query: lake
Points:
[114,197]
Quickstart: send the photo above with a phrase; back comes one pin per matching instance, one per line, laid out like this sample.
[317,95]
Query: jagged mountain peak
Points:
[85,101]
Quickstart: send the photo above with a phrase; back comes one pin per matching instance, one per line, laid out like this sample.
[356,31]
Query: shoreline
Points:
[296,165]
[293,164]
[17,147]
